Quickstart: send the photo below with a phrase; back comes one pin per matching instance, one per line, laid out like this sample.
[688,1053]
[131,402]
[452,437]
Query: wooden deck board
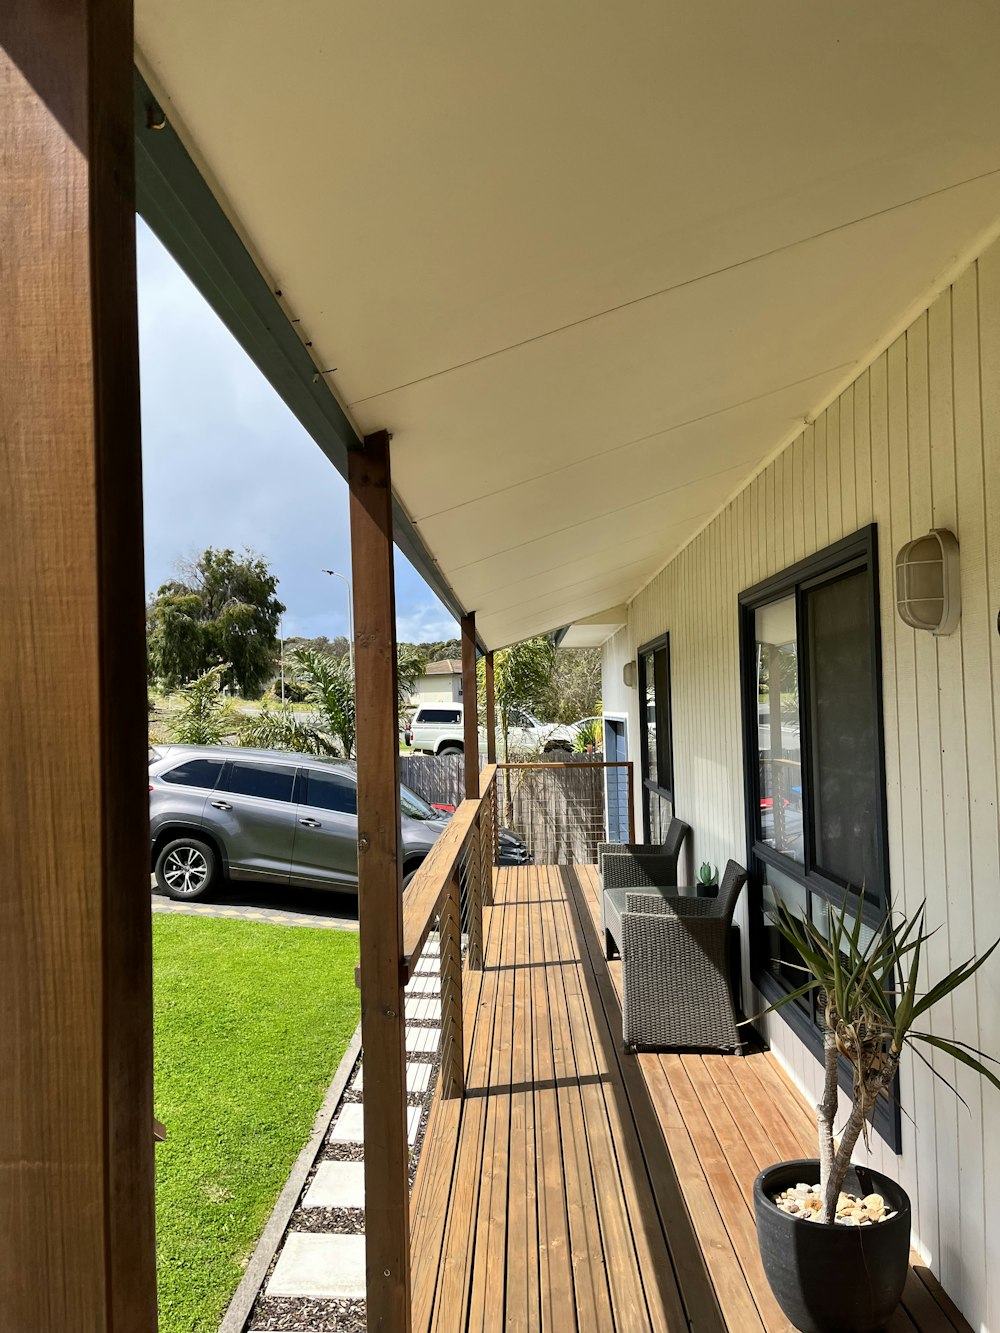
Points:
[579,1187]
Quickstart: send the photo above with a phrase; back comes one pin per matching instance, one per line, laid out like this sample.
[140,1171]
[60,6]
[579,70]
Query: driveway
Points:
[270,902]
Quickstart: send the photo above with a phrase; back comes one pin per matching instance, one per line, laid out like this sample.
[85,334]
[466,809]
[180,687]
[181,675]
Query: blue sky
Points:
[225,463]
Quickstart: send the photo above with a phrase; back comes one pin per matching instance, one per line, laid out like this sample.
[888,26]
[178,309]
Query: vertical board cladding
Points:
[912,443]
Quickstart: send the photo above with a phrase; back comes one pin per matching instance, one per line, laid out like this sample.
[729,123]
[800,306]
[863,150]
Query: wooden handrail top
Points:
[422,896]
[487,777]
[580,763]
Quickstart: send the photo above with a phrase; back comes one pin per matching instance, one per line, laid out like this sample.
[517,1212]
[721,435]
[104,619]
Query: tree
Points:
[871,991]
[328,688]
[575,687]
[221,610]
[206,716]
[521,676]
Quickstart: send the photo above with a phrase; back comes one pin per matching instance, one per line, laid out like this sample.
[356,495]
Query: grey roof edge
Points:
[176,202]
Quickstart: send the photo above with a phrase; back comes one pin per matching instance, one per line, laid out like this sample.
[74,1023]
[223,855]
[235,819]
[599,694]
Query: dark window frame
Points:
[663,699]
[854,553]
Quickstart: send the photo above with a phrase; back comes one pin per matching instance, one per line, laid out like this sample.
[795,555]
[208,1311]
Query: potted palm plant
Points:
[835,1238]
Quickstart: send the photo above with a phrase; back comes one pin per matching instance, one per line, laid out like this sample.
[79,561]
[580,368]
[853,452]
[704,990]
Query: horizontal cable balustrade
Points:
[562,810]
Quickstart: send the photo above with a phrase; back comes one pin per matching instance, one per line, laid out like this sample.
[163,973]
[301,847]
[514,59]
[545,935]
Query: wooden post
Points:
[491,712]
[452,1035]
[470,696]
[380,911]
[474,878]
[76,1126]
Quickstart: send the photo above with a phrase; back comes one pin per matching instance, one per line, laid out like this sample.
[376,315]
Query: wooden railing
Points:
[449,892]
[462,859]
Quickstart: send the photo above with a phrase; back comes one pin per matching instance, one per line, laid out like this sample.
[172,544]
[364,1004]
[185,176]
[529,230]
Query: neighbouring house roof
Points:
[449,666]
[592,270]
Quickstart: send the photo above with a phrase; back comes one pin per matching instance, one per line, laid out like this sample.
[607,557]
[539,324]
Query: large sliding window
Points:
[656,739]
[814,758]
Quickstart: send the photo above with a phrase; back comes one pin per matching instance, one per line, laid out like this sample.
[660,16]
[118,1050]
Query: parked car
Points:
[221,812]
[440,729]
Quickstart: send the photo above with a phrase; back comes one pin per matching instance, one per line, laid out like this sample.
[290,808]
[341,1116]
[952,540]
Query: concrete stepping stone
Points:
[328,1267]
[423,1007]
[422,1039]
[337,1185]
[418,1078]
[412,1124]
[423,986]
[350,1126]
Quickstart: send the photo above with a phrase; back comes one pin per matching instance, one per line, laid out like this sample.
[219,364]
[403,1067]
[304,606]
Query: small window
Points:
[656,749]
[331,791]
[202,773]
[447,716]
[274,782]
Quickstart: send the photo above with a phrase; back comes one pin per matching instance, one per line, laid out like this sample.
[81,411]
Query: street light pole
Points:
[350,611]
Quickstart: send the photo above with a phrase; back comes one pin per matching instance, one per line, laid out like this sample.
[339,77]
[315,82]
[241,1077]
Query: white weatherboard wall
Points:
[913,443]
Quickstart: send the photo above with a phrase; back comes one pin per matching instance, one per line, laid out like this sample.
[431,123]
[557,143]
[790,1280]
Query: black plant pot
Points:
[828,1278]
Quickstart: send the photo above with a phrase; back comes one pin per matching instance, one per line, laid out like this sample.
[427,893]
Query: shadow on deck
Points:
[578,1187]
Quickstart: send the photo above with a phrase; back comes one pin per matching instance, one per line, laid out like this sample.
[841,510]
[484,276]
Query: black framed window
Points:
[656,746]
[815,782]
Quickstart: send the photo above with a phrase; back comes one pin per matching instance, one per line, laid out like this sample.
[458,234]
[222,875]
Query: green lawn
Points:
[251,1022]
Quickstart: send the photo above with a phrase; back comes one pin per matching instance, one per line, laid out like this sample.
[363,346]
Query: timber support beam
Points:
[380,907]
[77,1246]
[470,712]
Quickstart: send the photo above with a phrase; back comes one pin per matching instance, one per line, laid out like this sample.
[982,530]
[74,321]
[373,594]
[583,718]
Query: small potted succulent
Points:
[835,1238]
[708,880]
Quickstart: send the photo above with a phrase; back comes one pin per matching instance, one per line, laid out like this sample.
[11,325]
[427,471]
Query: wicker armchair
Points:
[635,865]
[667,853]
[675,967]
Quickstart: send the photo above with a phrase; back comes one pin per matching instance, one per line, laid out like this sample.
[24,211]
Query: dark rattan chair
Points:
[636,865]
[676,966]
[670,847]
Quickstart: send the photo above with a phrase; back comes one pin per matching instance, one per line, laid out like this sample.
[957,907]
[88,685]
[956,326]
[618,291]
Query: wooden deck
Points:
[580,1188]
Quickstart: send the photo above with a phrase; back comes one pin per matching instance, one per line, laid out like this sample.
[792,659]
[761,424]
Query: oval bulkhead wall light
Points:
[929,582]
[628,675]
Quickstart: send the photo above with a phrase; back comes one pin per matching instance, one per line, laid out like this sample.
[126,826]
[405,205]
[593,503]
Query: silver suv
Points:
[265,816]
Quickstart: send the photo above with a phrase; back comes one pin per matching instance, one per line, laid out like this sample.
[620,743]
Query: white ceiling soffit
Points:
[590,265]
[592,631]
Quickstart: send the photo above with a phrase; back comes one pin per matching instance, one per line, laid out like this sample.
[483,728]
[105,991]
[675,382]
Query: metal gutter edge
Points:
[175,200]
[238,1311]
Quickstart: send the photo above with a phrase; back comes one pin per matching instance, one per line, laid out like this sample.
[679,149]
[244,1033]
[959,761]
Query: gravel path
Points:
[332,1231]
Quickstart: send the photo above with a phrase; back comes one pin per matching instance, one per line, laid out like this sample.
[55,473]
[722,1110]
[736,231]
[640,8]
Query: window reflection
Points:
[778,738]
[650,676]
[782,961]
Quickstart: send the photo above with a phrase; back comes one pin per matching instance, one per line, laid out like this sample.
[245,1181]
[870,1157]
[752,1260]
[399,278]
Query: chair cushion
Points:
[615,898]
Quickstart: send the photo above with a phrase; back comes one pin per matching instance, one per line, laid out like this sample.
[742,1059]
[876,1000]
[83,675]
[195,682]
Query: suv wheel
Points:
[186,869]
[409,872]
[450,749]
